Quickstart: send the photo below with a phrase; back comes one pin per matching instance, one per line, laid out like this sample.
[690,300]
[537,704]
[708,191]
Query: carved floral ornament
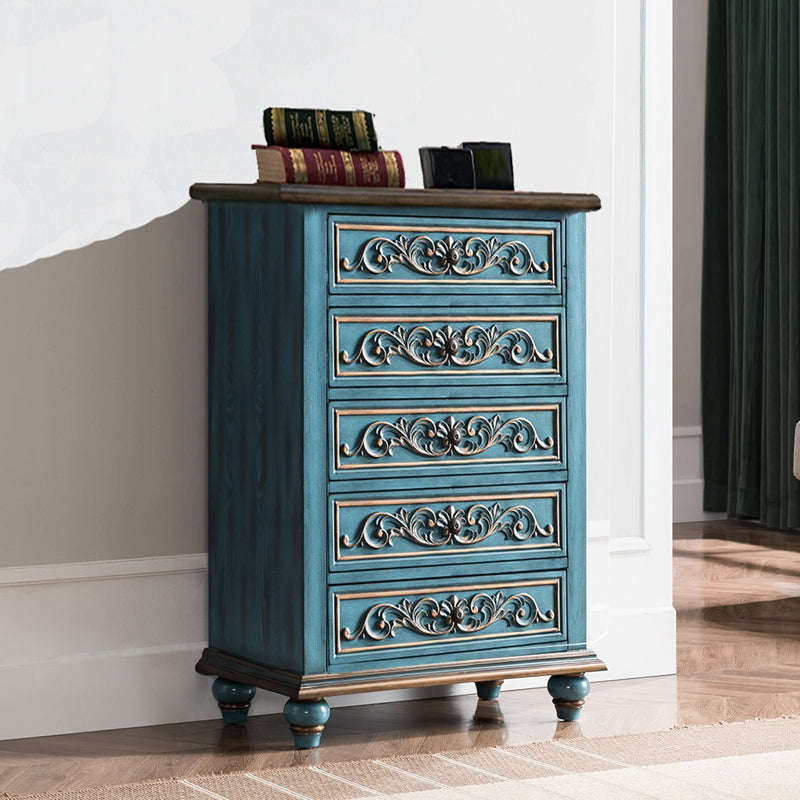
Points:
[449,526]
[447,346]
[450,436]
[430,617]
[445,256]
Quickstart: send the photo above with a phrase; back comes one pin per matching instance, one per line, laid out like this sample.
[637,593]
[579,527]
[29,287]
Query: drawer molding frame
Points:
[450,436]
[447,346]
[431,617]
[452,619]
[456,255]
[445,256]
[429,528]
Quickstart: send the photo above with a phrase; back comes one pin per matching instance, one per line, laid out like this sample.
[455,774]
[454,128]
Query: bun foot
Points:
[568,693]
[233,699]
[488,690]
[306,720]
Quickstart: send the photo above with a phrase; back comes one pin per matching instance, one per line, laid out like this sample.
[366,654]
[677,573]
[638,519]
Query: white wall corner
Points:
[598,538]
[630,618]
[637,642]
[687,482]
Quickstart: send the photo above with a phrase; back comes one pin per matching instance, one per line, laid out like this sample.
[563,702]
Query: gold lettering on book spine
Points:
[362,135]
[342,131]
[322,128]
[298,165]
[349,168]
[278,116]
[302,128]
[327,168]
[370,169]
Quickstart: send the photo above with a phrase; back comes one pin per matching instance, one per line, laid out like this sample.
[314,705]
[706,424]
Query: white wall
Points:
[115,114]
[689,79]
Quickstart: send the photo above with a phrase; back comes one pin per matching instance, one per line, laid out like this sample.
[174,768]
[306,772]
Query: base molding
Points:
[687,481]
[638,643]
[104,691]
[302,687]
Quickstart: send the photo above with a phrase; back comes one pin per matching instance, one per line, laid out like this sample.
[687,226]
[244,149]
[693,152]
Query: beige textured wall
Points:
[103,400]
[689,66]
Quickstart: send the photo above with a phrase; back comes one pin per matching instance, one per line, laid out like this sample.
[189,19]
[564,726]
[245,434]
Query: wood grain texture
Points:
[255,437]
[353,195]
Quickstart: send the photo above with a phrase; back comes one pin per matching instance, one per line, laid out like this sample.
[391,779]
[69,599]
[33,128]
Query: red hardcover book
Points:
[336,167]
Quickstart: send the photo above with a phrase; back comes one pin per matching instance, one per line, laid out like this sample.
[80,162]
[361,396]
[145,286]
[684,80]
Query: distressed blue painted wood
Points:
[234,700]
[396,443]
[306,720]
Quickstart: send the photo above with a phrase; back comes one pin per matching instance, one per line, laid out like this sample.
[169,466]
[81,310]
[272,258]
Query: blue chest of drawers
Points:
[396,443]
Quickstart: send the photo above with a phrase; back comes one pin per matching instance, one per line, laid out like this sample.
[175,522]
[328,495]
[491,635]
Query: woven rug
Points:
[758,759]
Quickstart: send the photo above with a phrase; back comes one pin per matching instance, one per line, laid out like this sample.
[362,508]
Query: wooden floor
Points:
[737,596]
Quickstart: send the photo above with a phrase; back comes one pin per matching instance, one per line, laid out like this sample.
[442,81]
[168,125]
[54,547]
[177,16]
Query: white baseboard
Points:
[100,645]
[687,483]
[687,501]
[102,691]
[633,642]
[637,642]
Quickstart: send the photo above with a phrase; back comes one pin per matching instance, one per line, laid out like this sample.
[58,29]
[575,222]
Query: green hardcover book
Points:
[315,127]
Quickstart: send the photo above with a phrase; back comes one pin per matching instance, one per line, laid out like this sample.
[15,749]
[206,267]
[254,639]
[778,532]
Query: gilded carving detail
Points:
[447,346]
[430,617]
[449,526]
[450,436]
[446,256]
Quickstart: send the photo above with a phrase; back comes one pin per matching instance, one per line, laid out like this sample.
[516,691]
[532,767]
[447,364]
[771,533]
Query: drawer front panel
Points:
[425,438]
[401,349]
[412,620]
[422,530]
[397,255]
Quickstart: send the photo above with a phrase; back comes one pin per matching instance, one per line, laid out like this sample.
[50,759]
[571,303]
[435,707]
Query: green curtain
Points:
[751,260]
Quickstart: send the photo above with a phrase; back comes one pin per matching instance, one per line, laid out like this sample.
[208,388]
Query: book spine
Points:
[341,167]
[309,127]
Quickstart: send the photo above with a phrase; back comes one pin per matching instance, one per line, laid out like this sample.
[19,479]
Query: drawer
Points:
[435,438]
[394,255]
[369,349]
[399,530]
[419,618]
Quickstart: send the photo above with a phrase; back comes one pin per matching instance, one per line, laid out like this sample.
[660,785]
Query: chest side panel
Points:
[255,430]
[575,272]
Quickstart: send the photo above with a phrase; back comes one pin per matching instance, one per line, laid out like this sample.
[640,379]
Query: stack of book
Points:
[321,146]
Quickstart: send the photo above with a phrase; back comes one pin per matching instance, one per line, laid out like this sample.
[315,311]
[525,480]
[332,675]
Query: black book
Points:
[493,166]
[447,168]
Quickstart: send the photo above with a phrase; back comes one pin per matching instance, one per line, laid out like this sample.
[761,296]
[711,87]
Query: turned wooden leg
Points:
[306,720]
[488,690]
[568,693]
[233,699]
